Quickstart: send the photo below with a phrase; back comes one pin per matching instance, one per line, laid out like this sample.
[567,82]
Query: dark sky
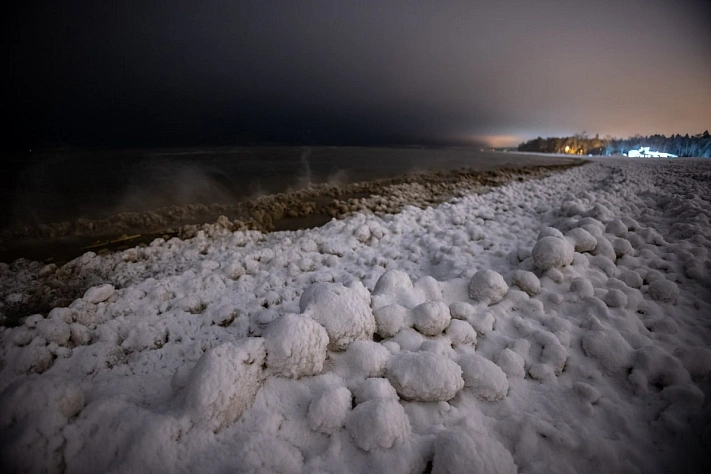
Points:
[171,73]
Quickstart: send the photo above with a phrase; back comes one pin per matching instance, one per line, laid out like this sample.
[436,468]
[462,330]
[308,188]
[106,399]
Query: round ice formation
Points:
[461,310]
[367,359]
[328,411]
[511,363]
[616,227]
[431,318]
[461,451]
[489,287]
[390,319]
[615,299]
[609,348]
[461,333]
[551,252]
[296,346]
[604,264]
[549,232]
[425,376]
[374,389]
[429,288]
[663,290]
[554,274]
[409,339]
[54,331]
[344,313]
[378,424]
[483,377]
[392,280]
[527,281]
[572,208]
[604,248]
[622,247]
[224,382]
[98,294]
[631,279]
[582,240]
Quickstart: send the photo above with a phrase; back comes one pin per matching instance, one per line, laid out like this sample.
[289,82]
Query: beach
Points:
[549,320]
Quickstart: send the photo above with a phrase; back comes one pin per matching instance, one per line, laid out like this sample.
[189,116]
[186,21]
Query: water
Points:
[66,185]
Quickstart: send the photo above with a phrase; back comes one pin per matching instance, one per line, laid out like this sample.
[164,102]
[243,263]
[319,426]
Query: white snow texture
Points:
[553,325]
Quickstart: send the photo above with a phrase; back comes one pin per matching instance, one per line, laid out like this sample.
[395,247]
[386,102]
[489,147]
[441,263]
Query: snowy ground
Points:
[560,325]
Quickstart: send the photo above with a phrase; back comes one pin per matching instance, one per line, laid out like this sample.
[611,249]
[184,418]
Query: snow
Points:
[344,312]
[224,383]
[425,376]
[552,252]
[295,345]
[328,411]
[488,287]
[558,325]
[431,317]
[378,424]
[464,450]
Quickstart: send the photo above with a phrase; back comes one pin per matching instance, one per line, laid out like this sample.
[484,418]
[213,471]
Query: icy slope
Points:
[548,326]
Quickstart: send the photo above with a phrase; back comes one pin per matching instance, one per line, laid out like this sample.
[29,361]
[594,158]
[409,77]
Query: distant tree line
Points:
[580,144]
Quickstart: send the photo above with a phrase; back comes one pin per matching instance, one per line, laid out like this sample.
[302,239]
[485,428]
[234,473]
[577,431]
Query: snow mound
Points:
[343,312]
[99,294]
[378,424]
[224,382]
[527,281]
[296,346]
[390,319]
[463,451]
[483,377]
[33,414]
[615,298]
[552,252]
[609,348]
[262,452]
[488,286]
[582,287]
[461,333]
[366,359]
[511,363]
[617,228]
[664,290]
[582,240]
[631,279]
[328,411]
[425,376]
[393,286]
[375,389]
[54,331]
[431,318]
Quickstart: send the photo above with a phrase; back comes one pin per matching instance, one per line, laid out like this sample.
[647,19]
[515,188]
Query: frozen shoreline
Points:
[305,208]
[552,325]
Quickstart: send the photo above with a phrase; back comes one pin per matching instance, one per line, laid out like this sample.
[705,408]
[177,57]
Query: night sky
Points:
[178,73]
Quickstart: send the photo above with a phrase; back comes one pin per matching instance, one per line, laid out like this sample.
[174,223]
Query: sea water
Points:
[56,186]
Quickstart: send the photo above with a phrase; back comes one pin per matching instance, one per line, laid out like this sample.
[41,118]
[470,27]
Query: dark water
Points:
[66,185]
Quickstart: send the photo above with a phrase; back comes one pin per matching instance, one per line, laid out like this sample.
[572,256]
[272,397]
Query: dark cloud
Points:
[173,73]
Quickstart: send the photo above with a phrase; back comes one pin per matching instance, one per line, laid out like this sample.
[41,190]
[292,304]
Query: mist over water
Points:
[68,185]
[305,177]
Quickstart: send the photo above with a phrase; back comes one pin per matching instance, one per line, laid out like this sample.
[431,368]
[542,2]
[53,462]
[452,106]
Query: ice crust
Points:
[558,325]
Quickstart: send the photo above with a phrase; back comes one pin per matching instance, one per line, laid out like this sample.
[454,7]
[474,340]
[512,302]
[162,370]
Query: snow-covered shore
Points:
[555,325]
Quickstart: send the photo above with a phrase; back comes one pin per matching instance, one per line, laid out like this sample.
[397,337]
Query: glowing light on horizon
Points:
[499,141]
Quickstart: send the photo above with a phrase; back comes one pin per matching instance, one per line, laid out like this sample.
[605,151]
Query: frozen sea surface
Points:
[557,325]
